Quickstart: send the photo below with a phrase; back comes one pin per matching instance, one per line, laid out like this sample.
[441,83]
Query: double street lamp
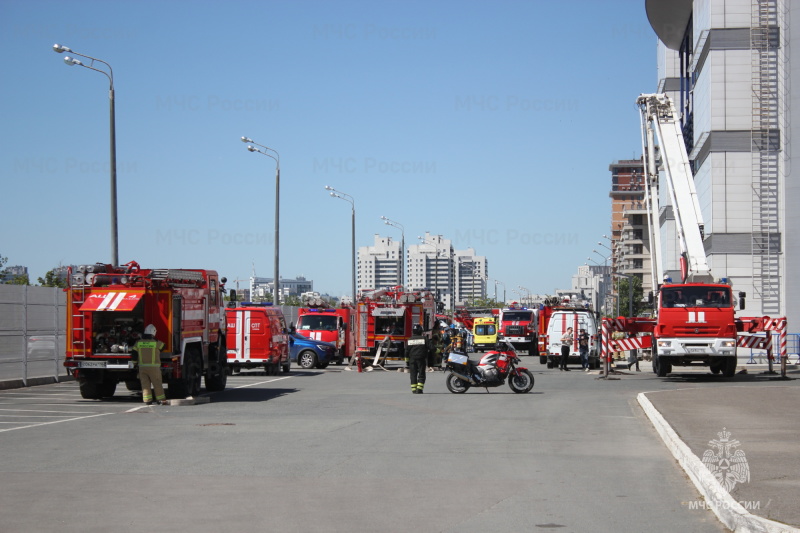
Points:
[347,198]
[265,149]
[60,49]
[401,270]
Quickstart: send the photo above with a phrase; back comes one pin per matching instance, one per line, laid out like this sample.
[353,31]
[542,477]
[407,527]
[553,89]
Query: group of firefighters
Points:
[426,353]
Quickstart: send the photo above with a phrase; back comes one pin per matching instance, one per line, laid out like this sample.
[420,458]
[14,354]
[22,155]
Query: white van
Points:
[559,321]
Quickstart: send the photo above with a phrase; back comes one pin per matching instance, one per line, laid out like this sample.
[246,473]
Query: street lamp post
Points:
[601,294]
[504,291]
[401,270]
[276,300]
[347,198]
[605,272]
[60,49]
[528,292]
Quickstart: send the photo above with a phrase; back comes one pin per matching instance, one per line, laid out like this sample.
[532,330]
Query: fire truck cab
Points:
[108,308]
[518,324]
[332,325]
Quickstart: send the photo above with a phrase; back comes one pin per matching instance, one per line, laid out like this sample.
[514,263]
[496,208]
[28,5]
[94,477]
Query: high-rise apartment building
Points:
[380,265]
[430,265]
[728,66]
[471,273]
[630,235]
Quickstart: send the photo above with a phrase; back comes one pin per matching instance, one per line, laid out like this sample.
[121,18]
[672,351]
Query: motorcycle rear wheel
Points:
[521,383]
[456,385]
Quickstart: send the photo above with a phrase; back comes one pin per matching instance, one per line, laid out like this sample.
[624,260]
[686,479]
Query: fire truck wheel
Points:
[189,383]
[217,376]
[662,366]
[90,390]
[133,385]
[272,369]
[729,370]
[322,365]
[550,364]
[107,389]
[542,359]
[216,382]
[307,359]
[286,367]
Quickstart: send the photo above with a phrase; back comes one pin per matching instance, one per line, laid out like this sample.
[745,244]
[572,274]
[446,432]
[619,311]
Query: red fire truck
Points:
[391,313]
[108,308]
[256,337]
[329,324]
[519,326]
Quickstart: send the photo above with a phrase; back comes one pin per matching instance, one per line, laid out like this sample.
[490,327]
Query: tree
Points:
[20,280]
[487,303]
[293,300]
[16,280]
[623,292]
[51,279]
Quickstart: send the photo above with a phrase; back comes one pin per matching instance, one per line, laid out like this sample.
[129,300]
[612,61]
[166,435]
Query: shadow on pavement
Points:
[250,395]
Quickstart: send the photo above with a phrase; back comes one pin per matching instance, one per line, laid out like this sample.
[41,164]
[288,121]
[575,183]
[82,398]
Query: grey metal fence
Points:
[32,333]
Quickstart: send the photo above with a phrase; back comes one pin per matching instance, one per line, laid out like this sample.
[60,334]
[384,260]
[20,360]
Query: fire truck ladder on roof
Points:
[765,135]
[177,276]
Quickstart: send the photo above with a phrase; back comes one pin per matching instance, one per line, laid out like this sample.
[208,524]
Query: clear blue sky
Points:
[491,123]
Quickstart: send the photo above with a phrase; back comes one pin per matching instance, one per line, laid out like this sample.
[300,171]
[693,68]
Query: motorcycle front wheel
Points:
[456,385]
[522,382]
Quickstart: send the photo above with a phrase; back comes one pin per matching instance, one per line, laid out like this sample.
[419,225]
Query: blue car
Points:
[310,353]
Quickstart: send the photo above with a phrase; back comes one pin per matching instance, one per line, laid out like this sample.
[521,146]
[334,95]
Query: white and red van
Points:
[256,337]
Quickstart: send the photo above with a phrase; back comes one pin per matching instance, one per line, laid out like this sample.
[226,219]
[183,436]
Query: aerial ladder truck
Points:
[695,323]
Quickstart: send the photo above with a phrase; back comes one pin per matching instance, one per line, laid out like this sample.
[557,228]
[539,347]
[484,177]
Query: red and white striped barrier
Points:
[633,343]
[754,342]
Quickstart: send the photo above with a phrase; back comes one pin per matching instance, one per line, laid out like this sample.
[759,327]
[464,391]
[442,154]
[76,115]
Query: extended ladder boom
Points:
[658,114]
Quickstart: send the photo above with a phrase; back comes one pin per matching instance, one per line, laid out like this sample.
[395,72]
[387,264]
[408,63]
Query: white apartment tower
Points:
[728,66]
[430,265]
[470,276]
[379,265]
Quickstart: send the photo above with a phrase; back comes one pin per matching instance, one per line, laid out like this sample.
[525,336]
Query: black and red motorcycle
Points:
[494,368]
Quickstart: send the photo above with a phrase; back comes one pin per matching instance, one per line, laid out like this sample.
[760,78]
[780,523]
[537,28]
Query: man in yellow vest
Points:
[149,349]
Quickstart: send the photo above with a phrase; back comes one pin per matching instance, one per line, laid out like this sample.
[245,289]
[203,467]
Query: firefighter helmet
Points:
[150,330]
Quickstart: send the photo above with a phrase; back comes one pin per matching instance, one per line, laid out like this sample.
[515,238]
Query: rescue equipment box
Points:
[457,358]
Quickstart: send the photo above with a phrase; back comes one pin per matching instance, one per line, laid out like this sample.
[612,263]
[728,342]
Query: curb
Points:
[726,508]
[33,382]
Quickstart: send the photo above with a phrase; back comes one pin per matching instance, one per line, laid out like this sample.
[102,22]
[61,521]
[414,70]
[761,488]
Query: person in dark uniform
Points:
[418,350]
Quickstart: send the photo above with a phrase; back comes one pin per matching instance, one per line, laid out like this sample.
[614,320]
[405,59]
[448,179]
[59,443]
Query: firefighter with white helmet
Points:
[148,350]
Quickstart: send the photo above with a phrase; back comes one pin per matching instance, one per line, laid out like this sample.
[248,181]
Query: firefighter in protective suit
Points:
[418,350]
[148,349]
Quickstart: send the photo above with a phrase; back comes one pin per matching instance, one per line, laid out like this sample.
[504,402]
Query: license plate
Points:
[92,364]
[695,350]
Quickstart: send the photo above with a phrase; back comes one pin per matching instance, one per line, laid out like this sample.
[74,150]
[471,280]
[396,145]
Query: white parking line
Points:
[37,392]
[43,411]
[261,383]
[54,422]
[35,416]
